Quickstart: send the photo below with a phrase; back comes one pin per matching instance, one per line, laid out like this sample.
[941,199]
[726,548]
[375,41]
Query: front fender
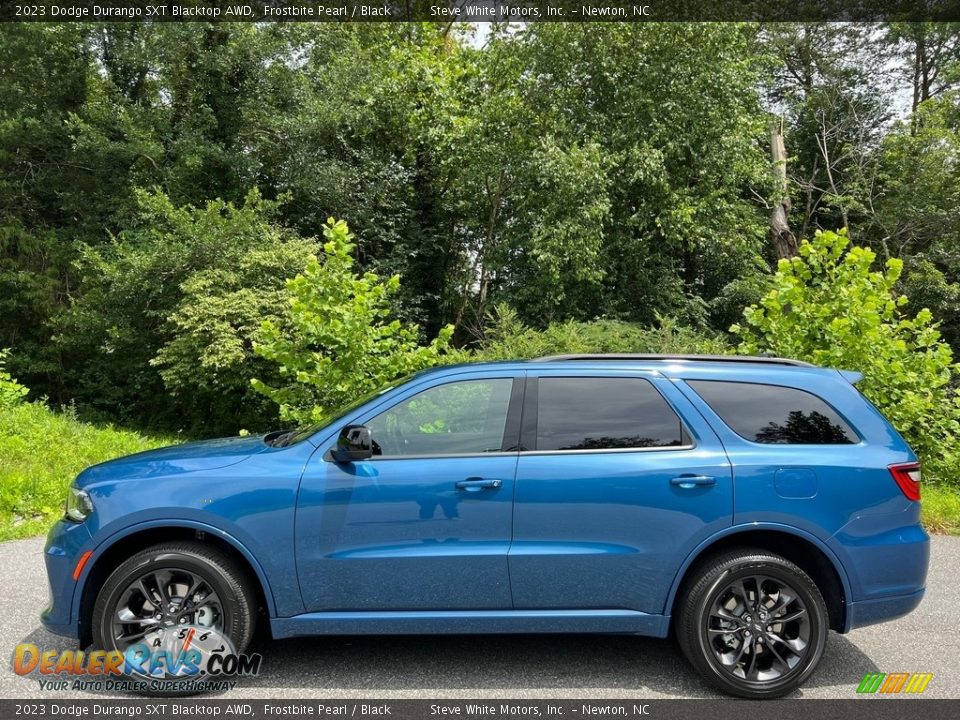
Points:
[110,541]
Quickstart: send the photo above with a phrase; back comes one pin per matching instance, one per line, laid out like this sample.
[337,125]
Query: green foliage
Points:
[508,338]
[615,166]
[339,339]
[829,307]
[927,286]
[41,453]
[175,305]
[918,181]
[570,204]
[11,392]
[571,171]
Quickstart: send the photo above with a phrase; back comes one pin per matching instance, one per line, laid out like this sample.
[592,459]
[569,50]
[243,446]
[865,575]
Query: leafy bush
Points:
[162,333]
[41,453]
[509,339]
[828,307]
[11,392]
[339,340]
[209,362]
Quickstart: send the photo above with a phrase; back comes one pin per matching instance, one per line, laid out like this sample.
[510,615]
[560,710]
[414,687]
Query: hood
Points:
[175,459]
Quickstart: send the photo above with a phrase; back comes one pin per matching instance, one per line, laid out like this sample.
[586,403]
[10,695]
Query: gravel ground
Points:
[528,666]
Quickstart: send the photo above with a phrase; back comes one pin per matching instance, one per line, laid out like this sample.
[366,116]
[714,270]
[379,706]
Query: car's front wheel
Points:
[153,596]
[753,624]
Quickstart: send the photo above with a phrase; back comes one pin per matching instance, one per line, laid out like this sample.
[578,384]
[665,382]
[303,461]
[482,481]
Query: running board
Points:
[469,622]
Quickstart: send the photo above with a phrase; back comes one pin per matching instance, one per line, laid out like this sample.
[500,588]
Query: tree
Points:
[828,82]
[40,178]
[931,55]
[660,124]
[918,183]
[155,338]
[339,340]
[829,307]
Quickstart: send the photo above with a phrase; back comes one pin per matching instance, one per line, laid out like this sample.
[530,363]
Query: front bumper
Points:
[66,542]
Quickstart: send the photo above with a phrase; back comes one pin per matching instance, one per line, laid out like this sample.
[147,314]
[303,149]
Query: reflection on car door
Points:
[426,523]
[613,491]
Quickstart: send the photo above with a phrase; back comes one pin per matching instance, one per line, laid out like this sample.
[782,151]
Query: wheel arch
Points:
[110,553]
[801,548]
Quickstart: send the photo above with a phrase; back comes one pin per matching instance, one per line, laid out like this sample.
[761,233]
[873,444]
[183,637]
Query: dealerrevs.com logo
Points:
[193,659]
[894,683]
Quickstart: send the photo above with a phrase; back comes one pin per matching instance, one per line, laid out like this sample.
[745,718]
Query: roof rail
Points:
[767,360]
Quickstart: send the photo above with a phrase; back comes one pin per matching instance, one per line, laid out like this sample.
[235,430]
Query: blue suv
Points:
[745,505]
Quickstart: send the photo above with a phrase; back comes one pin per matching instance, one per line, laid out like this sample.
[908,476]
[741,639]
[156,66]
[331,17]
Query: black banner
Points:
[873,708]
[476,10]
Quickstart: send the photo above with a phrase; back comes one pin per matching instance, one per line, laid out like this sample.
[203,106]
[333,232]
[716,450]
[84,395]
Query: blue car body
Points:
[516,539]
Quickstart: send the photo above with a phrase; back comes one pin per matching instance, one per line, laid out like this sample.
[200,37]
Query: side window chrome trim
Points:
[327,457]
[595,451]
[378,458]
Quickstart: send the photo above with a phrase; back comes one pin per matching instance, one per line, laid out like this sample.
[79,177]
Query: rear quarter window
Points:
[775,415]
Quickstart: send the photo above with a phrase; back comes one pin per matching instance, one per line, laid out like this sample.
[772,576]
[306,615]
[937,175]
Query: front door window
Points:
[460,418]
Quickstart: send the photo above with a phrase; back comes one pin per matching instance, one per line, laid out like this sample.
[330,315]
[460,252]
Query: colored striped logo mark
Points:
[894,683]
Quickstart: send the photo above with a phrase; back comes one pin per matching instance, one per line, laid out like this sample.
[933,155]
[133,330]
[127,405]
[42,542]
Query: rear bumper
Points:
[886,556]
[887,567]
[877,610]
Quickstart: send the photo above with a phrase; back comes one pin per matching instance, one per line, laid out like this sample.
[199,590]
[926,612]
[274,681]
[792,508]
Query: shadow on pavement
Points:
[514,664]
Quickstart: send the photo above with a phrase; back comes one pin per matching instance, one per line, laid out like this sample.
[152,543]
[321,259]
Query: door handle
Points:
[691,481]
[474,484]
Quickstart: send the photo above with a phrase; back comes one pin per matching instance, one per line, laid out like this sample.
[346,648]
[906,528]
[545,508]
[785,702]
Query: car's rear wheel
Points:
[156,594]
[753,624]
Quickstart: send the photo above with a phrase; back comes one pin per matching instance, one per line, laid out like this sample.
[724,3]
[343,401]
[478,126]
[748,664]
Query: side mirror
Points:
[354,443]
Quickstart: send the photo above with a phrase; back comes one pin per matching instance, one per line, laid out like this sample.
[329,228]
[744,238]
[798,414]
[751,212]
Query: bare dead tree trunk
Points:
[783,239]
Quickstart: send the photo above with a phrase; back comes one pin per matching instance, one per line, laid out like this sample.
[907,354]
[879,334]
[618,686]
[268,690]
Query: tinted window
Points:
[775,415]
[456,418]
[604,413]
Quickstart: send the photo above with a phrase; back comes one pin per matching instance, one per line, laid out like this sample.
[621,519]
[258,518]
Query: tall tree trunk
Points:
[924,67]
[917,51]
[782,238]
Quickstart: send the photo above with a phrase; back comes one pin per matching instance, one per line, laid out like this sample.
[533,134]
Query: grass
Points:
[41,452]
[941,509]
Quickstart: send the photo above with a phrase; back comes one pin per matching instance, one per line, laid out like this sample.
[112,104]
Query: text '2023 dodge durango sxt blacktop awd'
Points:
[748,505]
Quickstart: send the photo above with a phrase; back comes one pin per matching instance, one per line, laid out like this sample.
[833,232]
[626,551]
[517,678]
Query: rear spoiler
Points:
[851,376]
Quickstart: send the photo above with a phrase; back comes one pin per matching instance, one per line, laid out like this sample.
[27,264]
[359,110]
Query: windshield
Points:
[302,433]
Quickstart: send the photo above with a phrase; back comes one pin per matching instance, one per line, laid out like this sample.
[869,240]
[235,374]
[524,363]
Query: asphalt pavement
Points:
[516,666]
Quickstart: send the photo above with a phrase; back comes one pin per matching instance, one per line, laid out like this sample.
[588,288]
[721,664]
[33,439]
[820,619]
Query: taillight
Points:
[907,476]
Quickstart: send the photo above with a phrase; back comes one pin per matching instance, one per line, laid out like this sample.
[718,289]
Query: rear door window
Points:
[604,413]
[776,415]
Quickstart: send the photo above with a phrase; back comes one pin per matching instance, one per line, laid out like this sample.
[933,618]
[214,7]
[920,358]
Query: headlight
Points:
[79,505]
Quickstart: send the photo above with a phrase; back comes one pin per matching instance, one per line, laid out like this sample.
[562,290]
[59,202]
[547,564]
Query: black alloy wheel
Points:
[148,597]
[753,624]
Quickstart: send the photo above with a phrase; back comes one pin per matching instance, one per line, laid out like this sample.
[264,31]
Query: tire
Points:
[176,565]
[728,627]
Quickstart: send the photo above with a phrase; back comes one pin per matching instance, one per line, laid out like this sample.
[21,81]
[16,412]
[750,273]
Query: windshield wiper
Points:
[278,438]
